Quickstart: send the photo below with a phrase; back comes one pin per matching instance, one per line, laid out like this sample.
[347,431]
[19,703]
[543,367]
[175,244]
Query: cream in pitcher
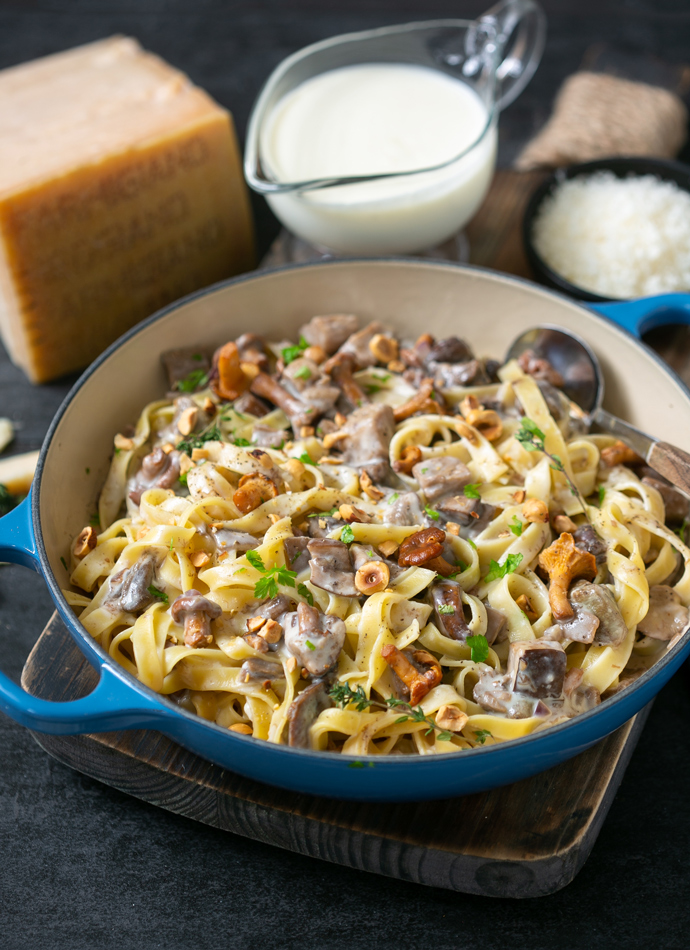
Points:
[384,142]
[377,119]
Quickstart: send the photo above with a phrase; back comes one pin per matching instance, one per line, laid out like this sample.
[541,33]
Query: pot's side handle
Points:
[639,316]
[114,704]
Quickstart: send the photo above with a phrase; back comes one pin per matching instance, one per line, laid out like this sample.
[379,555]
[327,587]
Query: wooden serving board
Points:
[525,840]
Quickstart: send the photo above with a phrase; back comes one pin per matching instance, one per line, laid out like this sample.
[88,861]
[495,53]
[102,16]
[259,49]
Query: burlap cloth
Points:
[600,116]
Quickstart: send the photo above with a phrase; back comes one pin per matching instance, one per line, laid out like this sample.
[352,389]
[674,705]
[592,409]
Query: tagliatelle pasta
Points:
[361,547]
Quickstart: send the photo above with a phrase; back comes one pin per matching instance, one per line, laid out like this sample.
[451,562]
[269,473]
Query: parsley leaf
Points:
[183,479]
[446,609]
[479,648]
[516,526]
[242,443]
[158,594]
[268,585]
[306,593]
[432,512]
[496,570]
[306,459]
[196,441]
[471,543]
[302,373]
[393,497]
[347,535]
[291,353]
[471,491]
[255,561]
[602,492]
[197,379]
[323,514]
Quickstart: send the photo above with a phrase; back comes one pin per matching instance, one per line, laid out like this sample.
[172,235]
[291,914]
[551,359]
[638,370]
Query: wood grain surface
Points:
[524,840]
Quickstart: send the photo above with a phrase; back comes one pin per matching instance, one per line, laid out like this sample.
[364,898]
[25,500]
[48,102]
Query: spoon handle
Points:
[672,463]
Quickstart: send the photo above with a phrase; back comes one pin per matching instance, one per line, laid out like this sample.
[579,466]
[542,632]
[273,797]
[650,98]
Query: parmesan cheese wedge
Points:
[17,472]
[121,189]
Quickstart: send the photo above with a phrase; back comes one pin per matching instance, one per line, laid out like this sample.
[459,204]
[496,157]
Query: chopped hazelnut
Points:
[563,523]
[199,454]
[396,366]
[167,447]
[535,510]
[340,419]
[254,624]
[256,642]
[305,432]
[369,488]
[331,438]
[291,664]
[294,467]
[200,559]
[250,370]
[188,420]
[315,353]
[242,728]
[271,631]
[451,719]
[123,443]
[519,496]
[274,519]
[185,463]
[209,405]
[453,528]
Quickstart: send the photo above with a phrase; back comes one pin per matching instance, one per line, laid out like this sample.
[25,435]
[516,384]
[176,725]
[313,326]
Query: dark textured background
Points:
[82,866]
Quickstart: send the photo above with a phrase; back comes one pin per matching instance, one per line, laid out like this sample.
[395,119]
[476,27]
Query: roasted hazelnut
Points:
[383,348]
[451,719]
[372,577]
[188,420]
[86,541]
[536,511]
[253,490]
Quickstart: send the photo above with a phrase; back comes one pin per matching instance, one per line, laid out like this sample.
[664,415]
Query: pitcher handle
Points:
[520,27]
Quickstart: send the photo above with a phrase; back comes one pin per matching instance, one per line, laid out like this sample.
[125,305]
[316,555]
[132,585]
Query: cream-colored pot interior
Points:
[486,309]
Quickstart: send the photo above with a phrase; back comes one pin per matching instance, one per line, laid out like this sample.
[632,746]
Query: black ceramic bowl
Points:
[621,168]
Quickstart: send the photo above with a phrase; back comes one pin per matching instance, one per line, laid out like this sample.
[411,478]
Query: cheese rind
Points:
[89,246]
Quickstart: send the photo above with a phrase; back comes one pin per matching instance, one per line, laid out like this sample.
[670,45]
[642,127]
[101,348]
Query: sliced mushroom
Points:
[405,510]
[296,553]
[597,599]
[444,475]
[196,612]
[537,668]
[315,639]
[539,368]
[676,504]
[496,626]
[587,539]
[268,437]
[330,331]
[227,539]
[129,588]
[451,620]
[450,350]
[159,469]
[357,345]
[256,669]
[418,670]
[331,567]
[248,403]
[304,711]
[366,438]
[180,363]
[666,617]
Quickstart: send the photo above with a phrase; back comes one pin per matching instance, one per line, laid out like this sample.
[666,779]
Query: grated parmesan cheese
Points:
[617,237]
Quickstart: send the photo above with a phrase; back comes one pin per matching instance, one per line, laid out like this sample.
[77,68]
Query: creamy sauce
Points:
[372,119]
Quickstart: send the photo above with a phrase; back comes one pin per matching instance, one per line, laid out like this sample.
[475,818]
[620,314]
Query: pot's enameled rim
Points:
[168,709]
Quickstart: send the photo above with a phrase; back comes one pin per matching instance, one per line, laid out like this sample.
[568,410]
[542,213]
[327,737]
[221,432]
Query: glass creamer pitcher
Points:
[316,149]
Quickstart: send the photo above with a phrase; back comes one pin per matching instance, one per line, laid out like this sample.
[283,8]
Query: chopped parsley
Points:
[460,568]
[306,459]
[197,356]
[471,543]
[602,492]
[88,471]
[242,443]
[372,388]
[64,564]
[183,479]
[393,497]
[516,526]
[496,570]
[432,512]
[446,609]
[291,353]
[306,593]
[310,644]
[197,379]
[479,648]
[158,594]
[471,491]
[212,434]
[95,520]
[268,585]
[347,535]
[302,373]
[323,514]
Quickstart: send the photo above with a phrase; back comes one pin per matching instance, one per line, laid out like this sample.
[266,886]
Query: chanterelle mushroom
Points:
[564,563]
[418,670]
[197,612]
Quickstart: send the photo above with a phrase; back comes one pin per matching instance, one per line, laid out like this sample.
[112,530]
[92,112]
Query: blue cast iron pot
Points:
[489,310]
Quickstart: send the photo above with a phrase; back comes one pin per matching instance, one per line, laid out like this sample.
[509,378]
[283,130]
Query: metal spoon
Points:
[583,384]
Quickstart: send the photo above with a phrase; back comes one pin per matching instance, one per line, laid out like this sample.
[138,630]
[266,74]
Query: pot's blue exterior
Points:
[120,702]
